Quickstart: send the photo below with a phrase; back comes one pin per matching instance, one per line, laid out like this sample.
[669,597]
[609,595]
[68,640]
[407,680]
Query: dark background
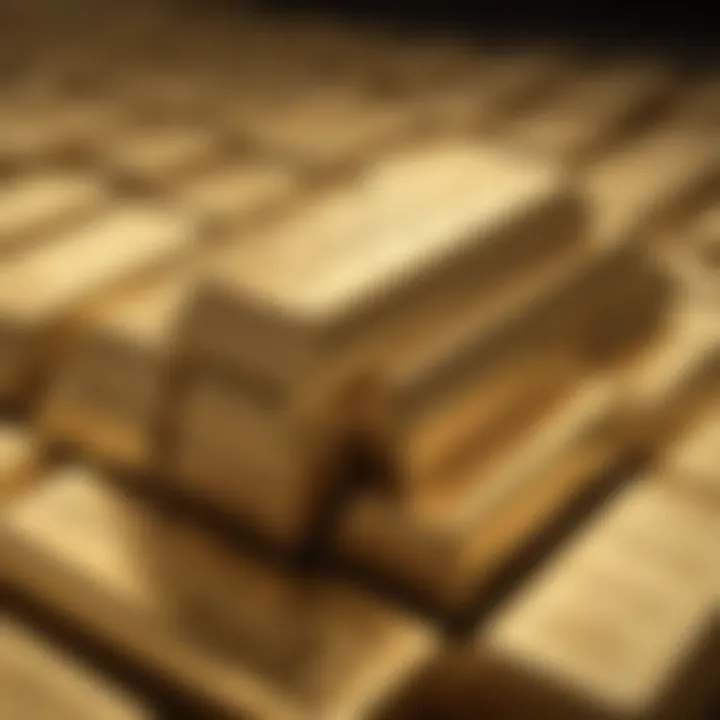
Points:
[687,27]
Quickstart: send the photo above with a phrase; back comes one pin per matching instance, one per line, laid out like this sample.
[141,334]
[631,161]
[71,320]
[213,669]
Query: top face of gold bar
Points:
[410,214]
[38,681]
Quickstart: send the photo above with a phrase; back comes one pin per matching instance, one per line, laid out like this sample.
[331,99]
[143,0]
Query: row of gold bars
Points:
[347,375]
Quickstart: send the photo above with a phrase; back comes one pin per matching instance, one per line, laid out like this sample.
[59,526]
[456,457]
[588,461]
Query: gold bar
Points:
[239,193]
[692,462]
[327,128]
[667,384]
[35,207]
[108,389]
[420,230]
[621,623]
[38,680]
[487,92]
[34,133]
[73,546]
[697,251]
[439,400]
[107,392]
[654,184]
[43,292]
[293,349]
[447,543]
[590,112]
[162,157]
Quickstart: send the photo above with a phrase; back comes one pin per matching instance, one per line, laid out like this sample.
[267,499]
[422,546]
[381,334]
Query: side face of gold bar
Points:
[622,622]
[71,546]
[38,680]
[447,543]
[37,301]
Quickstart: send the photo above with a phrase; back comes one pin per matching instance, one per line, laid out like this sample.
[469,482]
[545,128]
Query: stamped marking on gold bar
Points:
[74,546]
[621,623]
[38,680]
[449,541]
[40,291]
[35,207]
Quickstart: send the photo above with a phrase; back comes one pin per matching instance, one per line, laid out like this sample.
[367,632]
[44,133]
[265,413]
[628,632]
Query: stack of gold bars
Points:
[353,376]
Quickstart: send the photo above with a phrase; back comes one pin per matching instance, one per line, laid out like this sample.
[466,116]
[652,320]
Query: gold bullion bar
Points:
[653,184]
[239,193]
[72,546]
[40,681]
[450,540]
[42,291]
[665,385]
[477,100]
[496,364]
[692,462]
[421,228]
[620,623]
[481,373]
[329,127]
[159,157]
[35,133]
[108,389]
[591,111]
[19,458]
[641,194]
[301,347]
[35,207]
[467,387]
[696,254]
[700,105]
